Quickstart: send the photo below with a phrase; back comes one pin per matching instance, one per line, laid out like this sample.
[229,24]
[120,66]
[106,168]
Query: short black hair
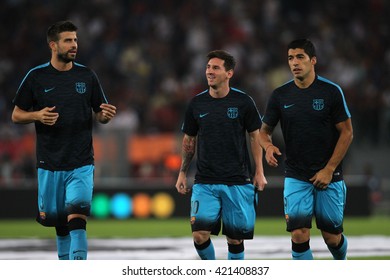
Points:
[59,27]
[304,44]
[229,60]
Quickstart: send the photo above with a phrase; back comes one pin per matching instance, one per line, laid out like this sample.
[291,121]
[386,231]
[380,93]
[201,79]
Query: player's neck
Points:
[60,65]
[305,82]
[219,92]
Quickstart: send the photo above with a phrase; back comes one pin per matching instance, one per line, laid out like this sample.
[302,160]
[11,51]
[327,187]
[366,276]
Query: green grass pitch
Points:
[137,228]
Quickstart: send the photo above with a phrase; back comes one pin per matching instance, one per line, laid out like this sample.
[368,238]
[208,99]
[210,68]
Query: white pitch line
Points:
[261,247]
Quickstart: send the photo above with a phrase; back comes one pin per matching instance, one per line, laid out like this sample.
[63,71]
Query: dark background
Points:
[150,57]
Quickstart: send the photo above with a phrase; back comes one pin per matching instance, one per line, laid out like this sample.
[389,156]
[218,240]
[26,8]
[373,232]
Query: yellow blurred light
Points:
[163,205]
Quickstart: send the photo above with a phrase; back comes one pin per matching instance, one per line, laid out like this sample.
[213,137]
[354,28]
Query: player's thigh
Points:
[239,211]
[79,189]
[51,197]
[298,203]
[329,207]
[47,190]
[205,207]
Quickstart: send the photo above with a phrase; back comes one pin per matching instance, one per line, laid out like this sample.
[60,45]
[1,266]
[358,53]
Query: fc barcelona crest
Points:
[232,112]
[318,104]
[81,87]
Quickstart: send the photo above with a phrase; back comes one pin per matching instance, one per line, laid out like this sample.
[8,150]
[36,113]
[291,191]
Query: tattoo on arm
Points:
[188,151]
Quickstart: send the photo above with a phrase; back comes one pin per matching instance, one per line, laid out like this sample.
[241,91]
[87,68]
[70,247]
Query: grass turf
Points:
[137,228]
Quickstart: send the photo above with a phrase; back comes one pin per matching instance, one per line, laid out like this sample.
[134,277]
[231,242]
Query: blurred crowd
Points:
[150,55]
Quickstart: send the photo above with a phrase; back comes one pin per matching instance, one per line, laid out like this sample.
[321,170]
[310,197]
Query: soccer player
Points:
[59,97]
[216,123]
[317,132]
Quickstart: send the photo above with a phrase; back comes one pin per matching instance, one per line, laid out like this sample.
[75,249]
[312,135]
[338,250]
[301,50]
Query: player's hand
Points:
[271,151]
[259,181]
[47,115]
[322,178]
[181,184]
[107,113]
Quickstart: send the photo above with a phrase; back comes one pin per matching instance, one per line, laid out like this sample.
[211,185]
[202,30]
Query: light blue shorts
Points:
[61,193]
[303,201]
[234,206]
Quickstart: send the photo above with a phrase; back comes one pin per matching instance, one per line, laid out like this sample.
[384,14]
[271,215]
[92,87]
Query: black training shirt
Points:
[75,93]
[220,125]
[308,118]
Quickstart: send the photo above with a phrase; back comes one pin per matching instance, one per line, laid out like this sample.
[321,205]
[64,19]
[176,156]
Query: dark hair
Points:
[304,44]
[59,27]
[229,61]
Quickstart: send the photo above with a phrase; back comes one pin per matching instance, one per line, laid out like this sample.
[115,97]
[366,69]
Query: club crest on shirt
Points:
[81,87]
[318,104]
[232,112]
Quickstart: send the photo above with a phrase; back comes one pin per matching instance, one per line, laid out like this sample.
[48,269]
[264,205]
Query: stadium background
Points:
[150,57]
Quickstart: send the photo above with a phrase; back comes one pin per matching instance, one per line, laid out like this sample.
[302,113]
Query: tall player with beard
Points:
[59,97]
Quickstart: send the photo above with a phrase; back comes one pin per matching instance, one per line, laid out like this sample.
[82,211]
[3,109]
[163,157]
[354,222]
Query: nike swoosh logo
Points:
[288,106]
[77,251]
[49,89]
[203,115]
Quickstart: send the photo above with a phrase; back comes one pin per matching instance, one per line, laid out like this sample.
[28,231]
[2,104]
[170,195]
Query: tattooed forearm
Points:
[188,151]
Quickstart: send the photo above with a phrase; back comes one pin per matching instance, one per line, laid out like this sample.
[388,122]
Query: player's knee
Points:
[300,235]
[234,241]
[332,240]
[200,237]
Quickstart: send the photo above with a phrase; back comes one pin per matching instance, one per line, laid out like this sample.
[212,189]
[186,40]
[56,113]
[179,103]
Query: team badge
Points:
[81,87]
[42,215]
[232,113]
[318,104]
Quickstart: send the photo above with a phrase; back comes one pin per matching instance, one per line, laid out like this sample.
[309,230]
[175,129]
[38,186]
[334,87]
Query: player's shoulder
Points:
[82,68]
[37,72]
[240,94]
[328,84]
[238,91]
[39,68]
[200,96]
[284,87]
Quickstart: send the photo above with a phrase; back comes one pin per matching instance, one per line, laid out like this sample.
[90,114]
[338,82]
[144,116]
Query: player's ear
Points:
[314,60]
[52,45]
[230,73]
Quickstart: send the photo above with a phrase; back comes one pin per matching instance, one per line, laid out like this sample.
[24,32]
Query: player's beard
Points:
[65,57]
